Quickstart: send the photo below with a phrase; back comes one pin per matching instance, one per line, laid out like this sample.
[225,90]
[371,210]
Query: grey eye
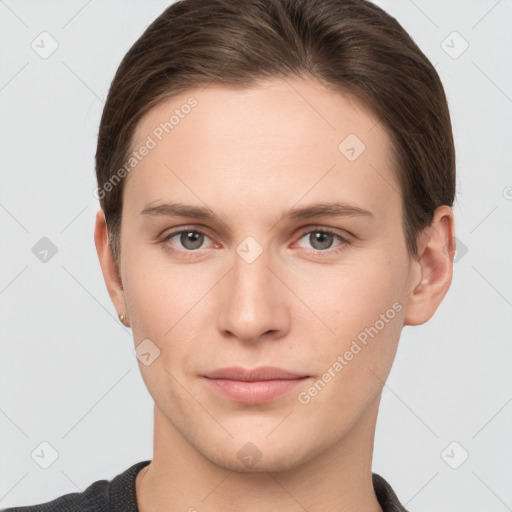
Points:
[321,240]
[190,240]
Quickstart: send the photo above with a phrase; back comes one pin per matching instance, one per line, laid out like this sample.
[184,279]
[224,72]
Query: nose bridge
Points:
[254,299]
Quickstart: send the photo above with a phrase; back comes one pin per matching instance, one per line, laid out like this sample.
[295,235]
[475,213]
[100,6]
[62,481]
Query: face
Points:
[247,267]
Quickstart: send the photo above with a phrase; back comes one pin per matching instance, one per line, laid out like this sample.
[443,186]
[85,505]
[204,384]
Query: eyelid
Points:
[344,237]
[303,231]
[344,241]
[176,231]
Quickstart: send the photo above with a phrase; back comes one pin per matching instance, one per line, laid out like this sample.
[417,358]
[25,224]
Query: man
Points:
[275,180]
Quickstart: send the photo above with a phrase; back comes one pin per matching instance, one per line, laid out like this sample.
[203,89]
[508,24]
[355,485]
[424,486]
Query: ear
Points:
[110,272]
[434,268]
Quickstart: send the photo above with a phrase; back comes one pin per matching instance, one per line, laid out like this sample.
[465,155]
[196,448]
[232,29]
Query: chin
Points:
[269,461]
[257,454]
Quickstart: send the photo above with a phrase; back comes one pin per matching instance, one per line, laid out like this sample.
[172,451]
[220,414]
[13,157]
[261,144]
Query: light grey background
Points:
[67,371]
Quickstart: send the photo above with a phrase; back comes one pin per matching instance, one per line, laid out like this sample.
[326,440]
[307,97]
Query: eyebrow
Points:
[332,209]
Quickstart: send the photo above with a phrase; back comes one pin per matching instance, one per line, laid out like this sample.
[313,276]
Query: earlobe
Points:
[108,267]
[434,266]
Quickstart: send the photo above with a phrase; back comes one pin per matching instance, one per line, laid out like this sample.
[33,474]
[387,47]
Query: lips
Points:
[253,386]
[256,374]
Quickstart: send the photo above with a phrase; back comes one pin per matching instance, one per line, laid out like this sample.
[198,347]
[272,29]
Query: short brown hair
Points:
[352,46]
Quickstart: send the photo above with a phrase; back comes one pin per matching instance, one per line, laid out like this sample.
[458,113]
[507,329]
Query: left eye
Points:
[322,240]
[190,239]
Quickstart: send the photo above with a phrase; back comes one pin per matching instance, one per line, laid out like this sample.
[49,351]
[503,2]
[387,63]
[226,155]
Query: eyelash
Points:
[315,252]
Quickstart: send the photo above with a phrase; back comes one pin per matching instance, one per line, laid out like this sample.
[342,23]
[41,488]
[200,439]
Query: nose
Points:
[253,301]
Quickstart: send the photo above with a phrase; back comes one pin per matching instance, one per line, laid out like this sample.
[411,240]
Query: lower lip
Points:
[256,392]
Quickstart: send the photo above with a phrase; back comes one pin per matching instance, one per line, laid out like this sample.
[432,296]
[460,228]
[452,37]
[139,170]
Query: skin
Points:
[250,156]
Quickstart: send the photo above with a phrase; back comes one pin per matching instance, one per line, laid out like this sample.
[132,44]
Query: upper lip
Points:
[255,374]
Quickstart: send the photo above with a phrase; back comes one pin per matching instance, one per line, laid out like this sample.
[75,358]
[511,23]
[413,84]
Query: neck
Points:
[338,479]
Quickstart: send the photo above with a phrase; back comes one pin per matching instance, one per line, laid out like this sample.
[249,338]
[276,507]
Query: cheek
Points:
[351,297]
[157,294]
[168,305]
[354,365]
[362,305]
[165,317]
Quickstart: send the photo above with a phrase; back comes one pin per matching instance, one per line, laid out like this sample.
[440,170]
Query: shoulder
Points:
[386,496]
[100,496]
[95,497]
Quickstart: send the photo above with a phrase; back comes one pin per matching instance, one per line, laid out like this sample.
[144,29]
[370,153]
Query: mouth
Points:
[253,386]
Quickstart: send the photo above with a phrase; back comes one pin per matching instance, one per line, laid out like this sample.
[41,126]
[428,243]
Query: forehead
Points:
[279,141]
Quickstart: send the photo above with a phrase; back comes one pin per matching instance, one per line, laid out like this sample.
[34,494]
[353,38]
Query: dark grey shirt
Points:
[118,495]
